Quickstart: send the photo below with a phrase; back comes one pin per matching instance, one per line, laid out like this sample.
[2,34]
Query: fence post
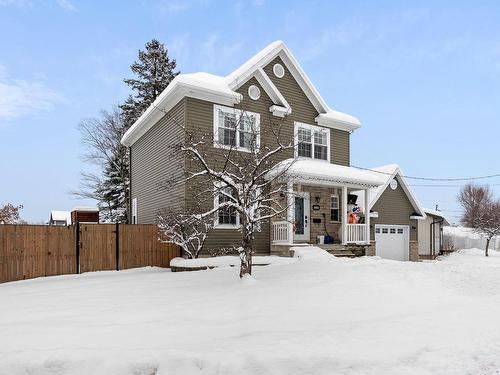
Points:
[77,228]
[117,246]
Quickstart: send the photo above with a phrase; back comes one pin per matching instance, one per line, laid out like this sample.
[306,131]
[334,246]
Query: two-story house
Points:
[325,188]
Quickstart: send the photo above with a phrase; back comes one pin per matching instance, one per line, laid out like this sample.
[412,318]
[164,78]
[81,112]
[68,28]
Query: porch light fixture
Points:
[317,199]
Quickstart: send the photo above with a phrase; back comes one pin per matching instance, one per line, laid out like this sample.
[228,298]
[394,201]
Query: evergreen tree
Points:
[154,70]
[113,189]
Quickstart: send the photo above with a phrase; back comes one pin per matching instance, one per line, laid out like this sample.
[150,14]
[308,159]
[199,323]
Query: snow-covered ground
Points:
[317,315]
[466,238]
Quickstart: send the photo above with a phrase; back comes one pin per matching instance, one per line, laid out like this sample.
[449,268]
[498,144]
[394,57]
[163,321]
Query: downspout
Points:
[433,237]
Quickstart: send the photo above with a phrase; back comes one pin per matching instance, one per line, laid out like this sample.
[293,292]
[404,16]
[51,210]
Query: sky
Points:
[423,77]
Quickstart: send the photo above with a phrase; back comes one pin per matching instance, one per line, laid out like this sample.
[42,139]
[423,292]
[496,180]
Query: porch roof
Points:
[323,172]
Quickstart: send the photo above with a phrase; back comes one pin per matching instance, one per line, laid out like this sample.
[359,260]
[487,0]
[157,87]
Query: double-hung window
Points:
[335,208]
[226,216]
[237,129]
[312,141]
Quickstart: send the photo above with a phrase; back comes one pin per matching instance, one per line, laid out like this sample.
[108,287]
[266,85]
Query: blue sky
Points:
[424,78]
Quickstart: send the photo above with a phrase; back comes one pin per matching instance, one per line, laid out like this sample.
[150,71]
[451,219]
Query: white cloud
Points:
[22,97]
[67,5]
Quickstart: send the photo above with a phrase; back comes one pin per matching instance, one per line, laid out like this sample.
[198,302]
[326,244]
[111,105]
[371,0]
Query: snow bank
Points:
[227,261]
[319,315]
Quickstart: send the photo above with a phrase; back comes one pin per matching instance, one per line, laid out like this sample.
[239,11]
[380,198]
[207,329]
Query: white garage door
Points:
[392,241]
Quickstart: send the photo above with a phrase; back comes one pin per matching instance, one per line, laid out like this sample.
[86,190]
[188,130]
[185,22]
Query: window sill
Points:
[240,149]
[227,226]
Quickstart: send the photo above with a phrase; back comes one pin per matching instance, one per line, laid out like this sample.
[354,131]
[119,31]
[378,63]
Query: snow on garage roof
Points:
[220,89]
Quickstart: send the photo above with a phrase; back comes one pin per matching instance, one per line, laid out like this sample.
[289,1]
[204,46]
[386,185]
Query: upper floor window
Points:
[312,141]
[234,128]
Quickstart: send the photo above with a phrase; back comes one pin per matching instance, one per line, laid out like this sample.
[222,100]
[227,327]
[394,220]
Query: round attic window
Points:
[278,70]
[254,92]
[394,184]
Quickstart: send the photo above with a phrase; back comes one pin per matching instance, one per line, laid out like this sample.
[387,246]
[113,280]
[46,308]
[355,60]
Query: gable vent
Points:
[254,92]
[278,70]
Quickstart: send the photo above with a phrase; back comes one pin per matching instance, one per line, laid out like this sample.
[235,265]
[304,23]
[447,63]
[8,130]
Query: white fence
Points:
[466,238]
[356,233]
[280,231]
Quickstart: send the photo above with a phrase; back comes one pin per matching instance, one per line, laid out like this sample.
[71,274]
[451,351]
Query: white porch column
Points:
[290,213]
[367,215]
[344,215]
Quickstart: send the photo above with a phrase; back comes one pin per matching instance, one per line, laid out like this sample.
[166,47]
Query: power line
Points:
[432,178]
[453,186]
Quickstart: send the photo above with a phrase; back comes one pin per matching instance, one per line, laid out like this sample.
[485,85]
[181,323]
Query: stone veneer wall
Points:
[371,250]
[324,194]
[414,257]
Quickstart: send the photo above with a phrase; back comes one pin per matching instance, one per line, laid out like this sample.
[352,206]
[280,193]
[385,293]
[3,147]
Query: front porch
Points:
[323,206]
[324,215]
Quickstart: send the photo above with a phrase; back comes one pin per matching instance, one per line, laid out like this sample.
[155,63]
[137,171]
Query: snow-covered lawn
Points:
[318,315]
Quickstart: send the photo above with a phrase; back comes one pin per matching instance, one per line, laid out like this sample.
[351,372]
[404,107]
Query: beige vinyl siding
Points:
[304,111]
[153,164]
[200,121]
[394,208]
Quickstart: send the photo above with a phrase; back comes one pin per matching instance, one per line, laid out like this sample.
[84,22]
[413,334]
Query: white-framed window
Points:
[312,141]
[335,208]
[225,217]
[237,129]
[134,211]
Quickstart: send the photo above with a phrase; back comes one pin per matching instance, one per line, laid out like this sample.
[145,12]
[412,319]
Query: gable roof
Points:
[388,172]
[222,90]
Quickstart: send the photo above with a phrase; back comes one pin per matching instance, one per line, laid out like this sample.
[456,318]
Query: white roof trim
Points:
[414,217]
[174,92]
[279,111]
[409,193]
[321,172]
[221,90]
[271,89]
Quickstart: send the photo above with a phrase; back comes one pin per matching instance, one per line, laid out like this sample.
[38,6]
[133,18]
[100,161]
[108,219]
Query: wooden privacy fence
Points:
[28,251]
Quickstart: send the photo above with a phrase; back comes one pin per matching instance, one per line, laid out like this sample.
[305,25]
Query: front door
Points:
[301,223]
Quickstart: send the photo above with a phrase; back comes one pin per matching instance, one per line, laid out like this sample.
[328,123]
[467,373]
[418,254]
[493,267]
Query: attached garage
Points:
[394,216]
[393,241]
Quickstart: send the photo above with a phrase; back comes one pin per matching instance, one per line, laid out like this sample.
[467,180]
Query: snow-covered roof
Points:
[387,173]
[436,213]
[322,171]
[222,90]
[85,208]
[60,216]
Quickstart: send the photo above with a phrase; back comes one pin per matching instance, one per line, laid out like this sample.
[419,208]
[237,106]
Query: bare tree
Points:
[103,149]
[188,230]
[235,185]
[10,214]
[481,211]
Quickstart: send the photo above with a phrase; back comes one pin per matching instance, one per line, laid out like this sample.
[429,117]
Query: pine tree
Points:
[113,189]
[154,70]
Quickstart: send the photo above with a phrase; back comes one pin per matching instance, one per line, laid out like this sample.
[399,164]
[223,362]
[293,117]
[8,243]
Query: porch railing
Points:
[280,232]
[356,233]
